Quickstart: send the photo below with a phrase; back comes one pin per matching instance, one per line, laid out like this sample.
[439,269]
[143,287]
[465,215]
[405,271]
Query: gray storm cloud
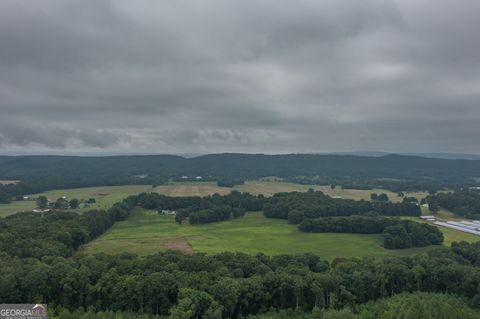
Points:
[244,76]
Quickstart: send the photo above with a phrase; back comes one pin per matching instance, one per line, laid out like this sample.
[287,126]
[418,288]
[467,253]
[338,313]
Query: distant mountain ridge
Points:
[239,165]
[428,155]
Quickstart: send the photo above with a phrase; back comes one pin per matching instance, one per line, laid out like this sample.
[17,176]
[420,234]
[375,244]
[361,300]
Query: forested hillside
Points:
[239,165]
[394,172]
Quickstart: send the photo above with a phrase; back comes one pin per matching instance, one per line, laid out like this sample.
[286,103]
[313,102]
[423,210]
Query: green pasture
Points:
[146,232]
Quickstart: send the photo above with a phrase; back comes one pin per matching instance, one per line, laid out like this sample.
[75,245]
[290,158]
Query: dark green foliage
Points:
[466,203]
[215,214]
[42,202]
[5,197]
[230,182]
[55,233]
[397,233]
[295,206]
[383,197]
[350,224]
[74,203]
[201,210]
[402,306]
[413,200]
[407,234]
[419,305]
[232,285]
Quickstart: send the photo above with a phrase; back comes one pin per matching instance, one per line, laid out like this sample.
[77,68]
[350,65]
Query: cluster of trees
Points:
[348,224]
[407,234]
[213,214]
[55,233]
[230,182]
[462,203]
[233,285]
[379,198]
[297,206]
[60,203]
[200,210]
[397,233]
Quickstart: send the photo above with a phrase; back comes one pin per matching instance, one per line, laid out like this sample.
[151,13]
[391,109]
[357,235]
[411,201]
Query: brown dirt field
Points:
[182,246]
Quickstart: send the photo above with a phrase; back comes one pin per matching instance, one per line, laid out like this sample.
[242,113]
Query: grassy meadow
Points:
[146,232]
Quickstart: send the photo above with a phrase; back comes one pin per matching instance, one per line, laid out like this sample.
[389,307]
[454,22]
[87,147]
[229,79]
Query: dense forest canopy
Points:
[239,165]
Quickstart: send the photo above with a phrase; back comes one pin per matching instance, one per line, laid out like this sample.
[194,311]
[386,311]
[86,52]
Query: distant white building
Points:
[36,210]
[337,196]
[184,177]
[198,177]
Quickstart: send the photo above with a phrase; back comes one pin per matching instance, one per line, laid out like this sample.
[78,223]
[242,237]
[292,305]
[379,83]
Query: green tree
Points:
[42,202]
[61,203]
[74,203]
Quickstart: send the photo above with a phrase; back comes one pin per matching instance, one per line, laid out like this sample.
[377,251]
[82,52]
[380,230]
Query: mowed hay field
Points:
[146,232]
[269,188]
[108,195]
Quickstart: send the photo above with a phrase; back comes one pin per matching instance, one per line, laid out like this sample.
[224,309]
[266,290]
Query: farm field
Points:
[269,188]
[112,194]
[105,197]
[146,232]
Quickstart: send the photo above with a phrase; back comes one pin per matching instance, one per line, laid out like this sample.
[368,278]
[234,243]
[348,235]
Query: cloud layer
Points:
[175,76]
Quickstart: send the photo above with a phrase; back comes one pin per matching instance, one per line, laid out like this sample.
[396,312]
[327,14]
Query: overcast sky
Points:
[270,76]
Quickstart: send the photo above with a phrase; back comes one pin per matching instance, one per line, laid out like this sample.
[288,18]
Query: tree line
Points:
[462,203]
[55,233]
[296,206]
[397,233]
[293,206]
[201,210]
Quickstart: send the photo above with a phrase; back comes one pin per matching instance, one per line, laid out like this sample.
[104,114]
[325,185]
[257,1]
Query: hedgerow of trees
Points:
[296,206]
[397,233]
[462,203]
